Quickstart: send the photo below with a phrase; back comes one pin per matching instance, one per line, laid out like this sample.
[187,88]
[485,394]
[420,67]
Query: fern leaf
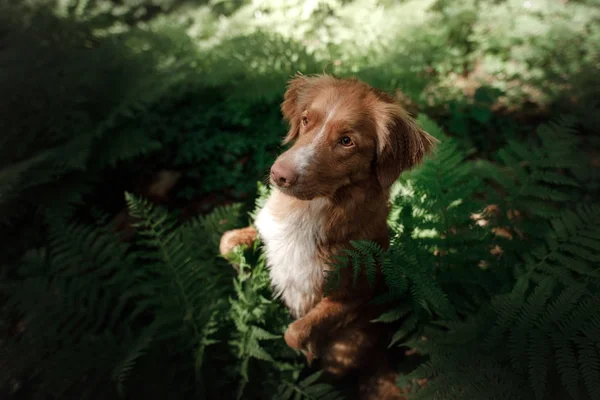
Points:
[566,363]
[408,326]
[308,389]
[589,358]
[538,354]
[121,372]
[394,315]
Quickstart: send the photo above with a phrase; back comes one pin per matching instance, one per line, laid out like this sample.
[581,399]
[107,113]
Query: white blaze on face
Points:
[321,133]
[302,158]
[304,155]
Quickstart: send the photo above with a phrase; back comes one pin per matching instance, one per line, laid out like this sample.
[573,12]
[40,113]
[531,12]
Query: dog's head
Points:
[344,132]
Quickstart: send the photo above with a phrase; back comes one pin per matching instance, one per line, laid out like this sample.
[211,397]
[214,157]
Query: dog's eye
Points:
[346,141]
[304,121]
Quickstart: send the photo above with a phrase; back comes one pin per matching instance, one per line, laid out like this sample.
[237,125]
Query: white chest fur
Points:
[290,239]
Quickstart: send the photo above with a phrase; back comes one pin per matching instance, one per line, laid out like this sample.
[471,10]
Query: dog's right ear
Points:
[402,144]
[290,107]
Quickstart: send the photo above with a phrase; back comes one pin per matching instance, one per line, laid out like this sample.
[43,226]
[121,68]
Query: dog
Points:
[349,143]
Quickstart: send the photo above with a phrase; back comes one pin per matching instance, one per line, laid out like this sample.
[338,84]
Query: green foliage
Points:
[361,255]
[92,294]
[308,388]
[176,261]
[514,324]
[251,309]
[58,294]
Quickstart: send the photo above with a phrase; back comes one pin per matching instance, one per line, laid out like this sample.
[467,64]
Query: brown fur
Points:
[355,179]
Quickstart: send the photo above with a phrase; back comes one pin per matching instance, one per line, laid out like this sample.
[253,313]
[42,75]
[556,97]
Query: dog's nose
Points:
[283,175]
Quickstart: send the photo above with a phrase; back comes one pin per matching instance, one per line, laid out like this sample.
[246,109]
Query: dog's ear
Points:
[290,108]
[401,143]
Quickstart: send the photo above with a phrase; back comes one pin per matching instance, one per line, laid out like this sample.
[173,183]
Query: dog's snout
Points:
[282,174]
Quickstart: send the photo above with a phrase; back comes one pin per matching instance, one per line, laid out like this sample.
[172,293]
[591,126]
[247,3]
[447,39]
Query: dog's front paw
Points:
[236,237]
[296,336]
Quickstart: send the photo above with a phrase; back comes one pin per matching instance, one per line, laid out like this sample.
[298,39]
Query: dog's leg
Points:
[360,349]
[235,237]
[329,315]
[338,309]
[349,349]
[380,384]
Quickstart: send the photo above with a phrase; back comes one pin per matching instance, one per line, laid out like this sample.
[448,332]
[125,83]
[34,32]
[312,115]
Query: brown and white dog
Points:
[350,143]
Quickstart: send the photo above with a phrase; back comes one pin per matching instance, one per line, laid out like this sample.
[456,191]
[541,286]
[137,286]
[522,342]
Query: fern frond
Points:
[124,367]
[214,224]
[543,175]
[566,363]
[308,389]
[364,256]
[394,314]
[188,297]
[563,250]
[538,354]
[408,327]
[589,359]
[251,310]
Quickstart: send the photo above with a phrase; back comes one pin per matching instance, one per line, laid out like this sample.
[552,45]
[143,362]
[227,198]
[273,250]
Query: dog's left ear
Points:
[401,143]
[289,107]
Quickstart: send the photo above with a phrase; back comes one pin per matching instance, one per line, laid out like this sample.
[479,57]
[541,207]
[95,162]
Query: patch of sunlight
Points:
[425,233]
[455,203]
[400,188]
[317,24]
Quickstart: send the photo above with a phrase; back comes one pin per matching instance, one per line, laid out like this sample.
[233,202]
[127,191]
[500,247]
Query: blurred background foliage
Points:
[99,97]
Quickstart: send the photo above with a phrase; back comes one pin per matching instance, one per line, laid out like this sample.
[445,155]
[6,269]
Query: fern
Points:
[361,256]
[308,389]
[124,368]
[185,275]
[433,270]
[567,251]
[249,312]
[74,294]
[209,228]
[542,324]
[531,175]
